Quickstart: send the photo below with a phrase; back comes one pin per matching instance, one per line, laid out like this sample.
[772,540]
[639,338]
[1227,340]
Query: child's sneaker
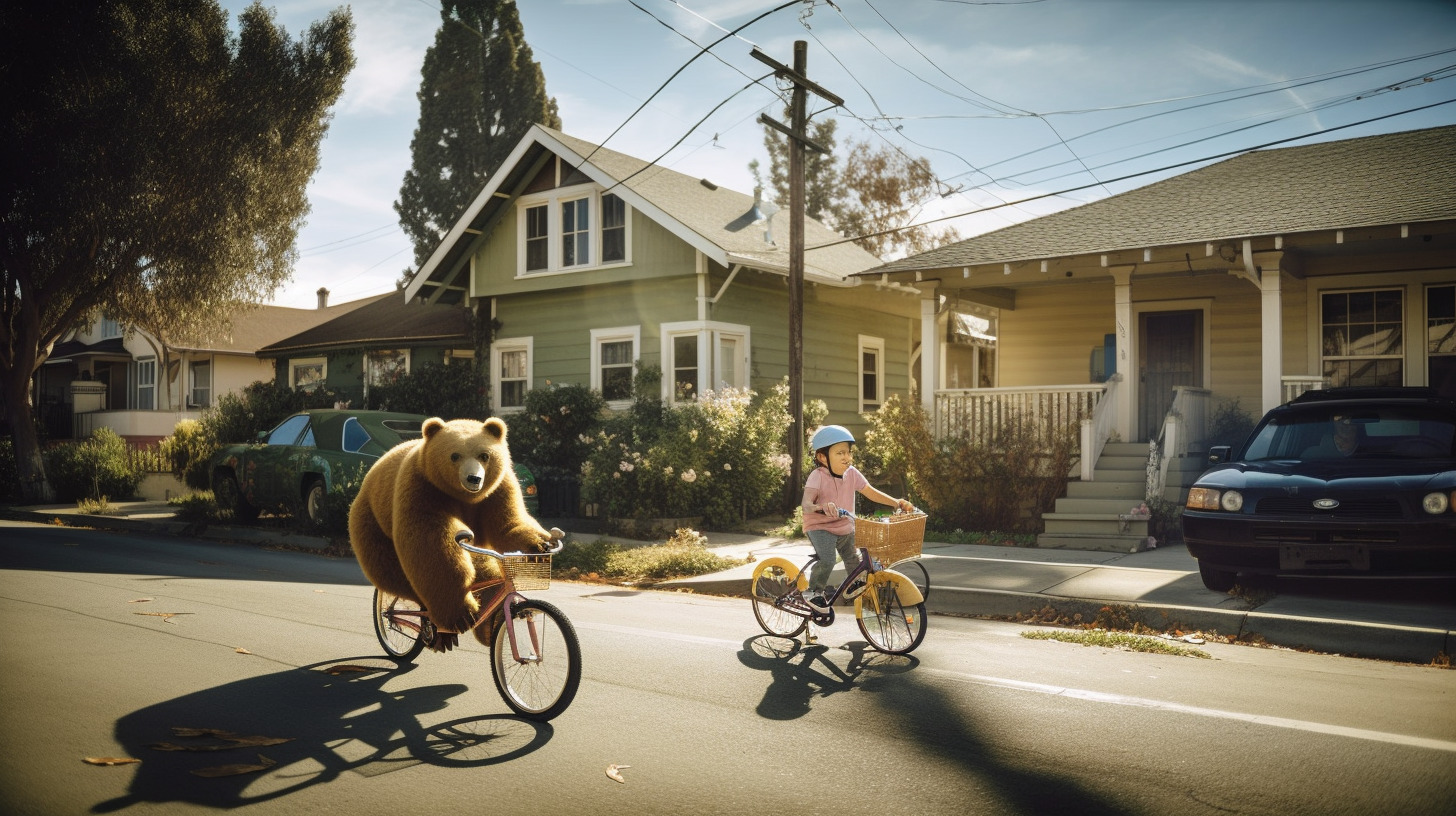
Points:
[855,589]
[816,602]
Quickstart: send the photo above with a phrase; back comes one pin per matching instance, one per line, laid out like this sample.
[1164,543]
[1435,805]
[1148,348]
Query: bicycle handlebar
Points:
[464,537]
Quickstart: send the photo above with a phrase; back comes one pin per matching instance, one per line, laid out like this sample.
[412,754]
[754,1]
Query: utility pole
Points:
[798,141]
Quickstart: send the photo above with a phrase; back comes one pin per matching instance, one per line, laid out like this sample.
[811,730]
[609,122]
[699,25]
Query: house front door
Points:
[1171,354]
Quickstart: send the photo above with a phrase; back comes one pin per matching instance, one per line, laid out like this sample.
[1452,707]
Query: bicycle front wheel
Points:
[770,584]
[885,621]
[543,682]
[918,575]
[396,624]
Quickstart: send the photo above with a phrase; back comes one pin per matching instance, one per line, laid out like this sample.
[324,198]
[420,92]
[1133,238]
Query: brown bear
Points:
[457,477]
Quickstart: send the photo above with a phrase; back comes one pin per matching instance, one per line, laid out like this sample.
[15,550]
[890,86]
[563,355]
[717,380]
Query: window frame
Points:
[1322,324]
[295,363]
[192,387]
[599,338]
[710,335]
[876,345]
[555,202]
[497,376]
[142,387]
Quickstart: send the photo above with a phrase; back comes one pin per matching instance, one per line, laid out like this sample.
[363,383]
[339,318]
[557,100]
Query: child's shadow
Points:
[335,722]
[800,672]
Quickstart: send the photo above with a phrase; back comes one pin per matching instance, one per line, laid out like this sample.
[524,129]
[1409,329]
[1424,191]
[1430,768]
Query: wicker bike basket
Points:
[891,538]
[529,571]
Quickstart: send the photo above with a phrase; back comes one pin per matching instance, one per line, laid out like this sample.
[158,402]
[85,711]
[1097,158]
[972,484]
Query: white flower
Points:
[616,475]
[727,465]
[667,471]
[625,466]
[689,476]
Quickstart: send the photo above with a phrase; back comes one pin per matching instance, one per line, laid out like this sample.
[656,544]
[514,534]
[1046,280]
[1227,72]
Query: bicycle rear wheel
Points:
[768,586]
[400,640]
[544,683]
[887,623]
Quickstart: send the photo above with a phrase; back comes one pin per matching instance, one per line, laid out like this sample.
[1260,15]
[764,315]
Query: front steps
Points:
[1099,515]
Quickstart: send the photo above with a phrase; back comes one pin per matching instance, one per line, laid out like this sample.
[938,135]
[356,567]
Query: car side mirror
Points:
[1220,453]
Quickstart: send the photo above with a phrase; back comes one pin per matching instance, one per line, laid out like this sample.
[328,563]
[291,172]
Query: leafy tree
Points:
[823,186]
[480,91]
[155,164]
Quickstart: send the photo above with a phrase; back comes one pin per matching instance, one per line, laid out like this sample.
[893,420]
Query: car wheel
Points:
[1218,580]
[314,493]
[231,506]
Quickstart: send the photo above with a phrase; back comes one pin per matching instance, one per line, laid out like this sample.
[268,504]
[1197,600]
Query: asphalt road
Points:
[112,641]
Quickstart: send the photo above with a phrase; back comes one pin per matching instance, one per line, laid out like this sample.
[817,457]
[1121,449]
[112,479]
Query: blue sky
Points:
[1008,100]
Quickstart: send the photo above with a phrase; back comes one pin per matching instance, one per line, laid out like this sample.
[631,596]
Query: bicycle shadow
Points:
[345,721]
[795,680]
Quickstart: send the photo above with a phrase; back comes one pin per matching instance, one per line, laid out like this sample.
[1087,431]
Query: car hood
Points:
[1282,474]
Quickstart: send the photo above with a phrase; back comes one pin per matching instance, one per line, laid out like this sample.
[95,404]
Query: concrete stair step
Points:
[1097,543]
[1126,449]
[1112,506]
[1139,463]
[1107,489]
[1093,524]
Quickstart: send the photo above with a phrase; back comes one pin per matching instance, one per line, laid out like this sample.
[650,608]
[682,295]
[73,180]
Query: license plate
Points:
[1330,557]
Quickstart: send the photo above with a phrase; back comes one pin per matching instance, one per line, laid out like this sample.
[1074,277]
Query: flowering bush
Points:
[556,427]
[721,457]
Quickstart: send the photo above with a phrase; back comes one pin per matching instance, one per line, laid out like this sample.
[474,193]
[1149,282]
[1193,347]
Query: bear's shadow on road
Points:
[335,723]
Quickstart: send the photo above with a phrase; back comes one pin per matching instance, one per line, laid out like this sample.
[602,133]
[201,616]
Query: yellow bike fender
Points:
[905,589]
[788,567]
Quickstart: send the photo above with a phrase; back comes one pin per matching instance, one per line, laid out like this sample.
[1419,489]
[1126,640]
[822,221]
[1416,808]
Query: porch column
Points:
[929,352]
[1272,336]
[1125,417]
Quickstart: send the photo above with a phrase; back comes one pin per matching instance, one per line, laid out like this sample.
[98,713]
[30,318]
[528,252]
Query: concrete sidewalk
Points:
[1160,587]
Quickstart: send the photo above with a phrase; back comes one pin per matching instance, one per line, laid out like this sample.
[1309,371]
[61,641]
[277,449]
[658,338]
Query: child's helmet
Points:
[829,435]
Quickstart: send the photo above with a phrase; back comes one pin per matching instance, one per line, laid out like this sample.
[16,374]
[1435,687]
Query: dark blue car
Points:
[1345,481]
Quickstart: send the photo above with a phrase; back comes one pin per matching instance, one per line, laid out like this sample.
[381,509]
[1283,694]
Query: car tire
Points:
[1218,580]
[231,506]
[314,495]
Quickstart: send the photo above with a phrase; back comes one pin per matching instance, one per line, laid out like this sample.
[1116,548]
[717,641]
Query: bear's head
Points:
[466,458]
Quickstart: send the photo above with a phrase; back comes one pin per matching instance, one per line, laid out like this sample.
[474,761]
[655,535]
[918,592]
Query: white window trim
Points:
[877,345]
[499,347]
[614,335]
[553,200]
[294,363]
[192,382]
[141,364]
[710,334]
[108,329]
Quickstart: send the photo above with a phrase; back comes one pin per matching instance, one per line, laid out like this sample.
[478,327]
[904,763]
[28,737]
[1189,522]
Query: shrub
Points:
[435,389]
[9,471]
[721,457]
[344,488]
[684,554]
[260,406]
[1001,485]
[556,427]
[92,469]
[195,507]
[1230,424]
[188,451]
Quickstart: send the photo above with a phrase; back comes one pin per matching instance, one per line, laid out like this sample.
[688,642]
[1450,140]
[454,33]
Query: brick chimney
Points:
[323,296]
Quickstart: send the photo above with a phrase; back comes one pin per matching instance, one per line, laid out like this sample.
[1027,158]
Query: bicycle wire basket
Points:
[891,538]
[529,570]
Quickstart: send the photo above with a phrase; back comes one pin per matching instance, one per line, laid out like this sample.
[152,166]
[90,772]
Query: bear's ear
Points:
[496,428]
[431,426]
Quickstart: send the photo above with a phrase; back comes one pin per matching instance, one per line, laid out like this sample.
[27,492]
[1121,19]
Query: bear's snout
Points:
[472,476]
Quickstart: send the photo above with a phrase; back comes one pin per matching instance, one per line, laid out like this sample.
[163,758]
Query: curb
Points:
[210,532]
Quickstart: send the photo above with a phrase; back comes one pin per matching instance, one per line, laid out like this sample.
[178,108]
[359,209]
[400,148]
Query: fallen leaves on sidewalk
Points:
[110,760]
[241,650]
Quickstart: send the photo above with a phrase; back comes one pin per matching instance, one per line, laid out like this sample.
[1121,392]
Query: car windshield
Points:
[1364,432]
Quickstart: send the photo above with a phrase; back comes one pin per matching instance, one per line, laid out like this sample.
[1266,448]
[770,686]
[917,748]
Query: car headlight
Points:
[1202,498]
[1435,503]
[1232,501]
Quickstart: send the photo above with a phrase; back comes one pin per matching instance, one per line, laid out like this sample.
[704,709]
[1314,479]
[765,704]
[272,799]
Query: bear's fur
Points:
[457,477]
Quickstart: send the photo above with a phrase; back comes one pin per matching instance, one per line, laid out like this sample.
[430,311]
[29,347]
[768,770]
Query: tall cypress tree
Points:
[480,91]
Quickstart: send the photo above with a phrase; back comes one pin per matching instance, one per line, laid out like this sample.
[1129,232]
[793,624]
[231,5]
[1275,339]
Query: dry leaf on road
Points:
[241,650]
[110,760]
[235,770]
[141,600]
[612,772]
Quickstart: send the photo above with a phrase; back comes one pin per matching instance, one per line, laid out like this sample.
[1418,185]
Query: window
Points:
[576,232]
[614,229]
[871,372]
[200,375]
[558,232]
[146,383]
[1361,337]
[614,351]
[510,373]
[538,238]
[355,437]
[109,328]
[703,356]
[288,430]
[385,366]
[308,373]
[1441,339]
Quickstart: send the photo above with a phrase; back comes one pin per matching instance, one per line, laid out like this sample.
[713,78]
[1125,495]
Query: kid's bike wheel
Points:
[400,640]
[918,575]
[768,586]
[543,685]
[887,623]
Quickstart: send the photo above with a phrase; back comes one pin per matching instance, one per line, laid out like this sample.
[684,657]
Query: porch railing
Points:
[1296,384]
[977,413]
[1184,431]
[1096,429]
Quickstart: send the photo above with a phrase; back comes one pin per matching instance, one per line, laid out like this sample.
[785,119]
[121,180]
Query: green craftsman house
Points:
[588,261]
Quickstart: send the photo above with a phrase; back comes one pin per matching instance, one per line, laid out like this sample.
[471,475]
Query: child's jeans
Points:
[825,543]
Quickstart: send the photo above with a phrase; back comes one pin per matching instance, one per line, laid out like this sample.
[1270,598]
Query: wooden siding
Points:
[1048,338]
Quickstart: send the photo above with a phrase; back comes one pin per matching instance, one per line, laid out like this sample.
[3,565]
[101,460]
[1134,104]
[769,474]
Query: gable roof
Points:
[383,321]
[1394,178]
[255,327]
[713,220]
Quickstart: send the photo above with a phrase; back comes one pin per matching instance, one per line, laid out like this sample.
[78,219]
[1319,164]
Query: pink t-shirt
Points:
[822,487]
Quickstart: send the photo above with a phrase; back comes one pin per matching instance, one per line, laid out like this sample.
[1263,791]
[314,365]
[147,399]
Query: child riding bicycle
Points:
[830,489]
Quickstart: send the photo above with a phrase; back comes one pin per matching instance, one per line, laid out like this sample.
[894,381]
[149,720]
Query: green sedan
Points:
[292,467]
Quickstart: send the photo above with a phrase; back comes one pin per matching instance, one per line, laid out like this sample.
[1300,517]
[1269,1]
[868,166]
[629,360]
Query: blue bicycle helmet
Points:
[829,435]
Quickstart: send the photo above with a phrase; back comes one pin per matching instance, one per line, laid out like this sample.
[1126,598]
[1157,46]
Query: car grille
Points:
[1362,509]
